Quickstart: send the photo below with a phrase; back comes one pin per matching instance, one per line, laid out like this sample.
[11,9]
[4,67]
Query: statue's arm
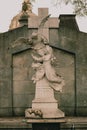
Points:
[39,59]
[50,53]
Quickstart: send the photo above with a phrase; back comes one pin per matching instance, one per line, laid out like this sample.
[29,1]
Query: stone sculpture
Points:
[45,78]
[45,72]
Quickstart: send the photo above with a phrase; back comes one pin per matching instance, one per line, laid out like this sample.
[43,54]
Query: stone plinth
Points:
[60,120]
[44,103]
[46,124]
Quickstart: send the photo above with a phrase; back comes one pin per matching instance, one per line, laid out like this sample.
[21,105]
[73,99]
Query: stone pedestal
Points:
[46,124]
[44,103]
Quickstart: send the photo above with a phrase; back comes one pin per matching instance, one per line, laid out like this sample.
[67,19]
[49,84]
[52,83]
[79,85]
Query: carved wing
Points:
[44,21]
[19,41]
[41,26]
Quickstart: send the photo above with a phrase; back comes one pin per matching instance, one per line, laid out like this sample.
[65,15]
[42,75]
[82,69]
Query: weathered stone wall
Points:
[6,89]
[23,88]
[15,96]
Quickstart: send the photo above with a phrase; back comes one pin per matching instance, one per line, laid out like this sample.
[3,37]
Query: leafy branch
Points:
[80,6]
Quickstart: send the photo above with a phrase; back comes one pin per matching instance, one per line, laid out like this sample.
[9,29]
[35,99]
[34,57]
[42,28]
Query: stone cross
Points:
[35,21]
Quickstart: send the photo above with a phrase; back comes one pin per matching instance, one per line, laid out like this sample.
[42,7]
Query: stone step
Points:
[17,123]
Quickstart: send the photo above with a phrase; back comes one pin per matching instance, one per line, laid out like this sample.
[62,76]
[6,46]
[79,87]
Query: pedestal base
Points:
[44,105]
[46,126]
[44,113]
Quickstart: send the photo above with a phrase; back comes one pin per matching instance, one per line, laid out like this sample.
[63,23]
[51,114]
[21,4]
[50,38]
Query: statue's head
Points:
[38,38]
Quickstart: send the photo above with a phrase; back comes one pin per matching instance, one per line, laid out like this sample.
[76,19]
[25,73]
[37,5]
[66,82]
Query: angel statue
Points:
[43,59]
[45,78]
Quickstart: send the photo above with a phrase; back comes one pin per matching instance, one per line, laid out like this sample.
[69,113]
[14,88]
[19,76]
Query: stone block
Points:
[42,12]
[33,22]
[54,23]
[5,112]
[53,36]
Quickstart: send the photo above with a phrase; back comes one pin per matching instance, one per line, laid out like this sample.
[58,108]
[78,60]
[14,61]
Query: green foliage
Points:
[80,6]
